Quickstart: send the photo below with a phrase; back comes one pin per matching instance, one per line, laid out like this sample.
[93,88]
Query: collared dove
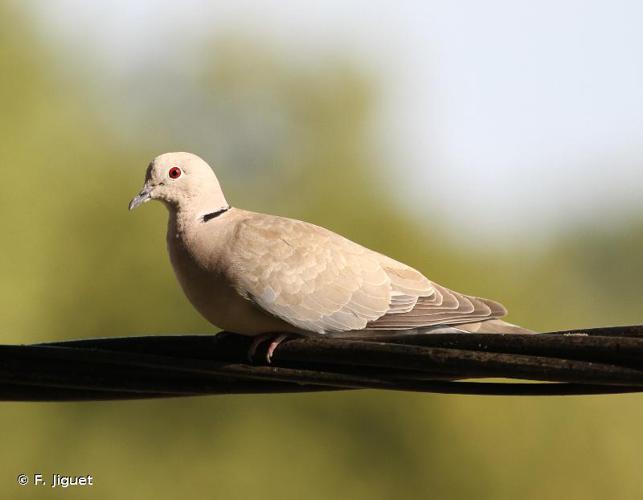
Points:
[256,274]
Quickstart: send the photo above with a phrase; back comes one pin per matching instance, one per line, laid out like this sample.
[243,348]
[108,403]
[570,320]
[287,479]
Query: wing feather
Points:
[308,276]
[321,282]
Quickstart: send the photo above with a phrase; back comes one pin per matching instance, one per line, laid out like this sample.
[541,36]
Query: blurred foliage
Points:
[291,138]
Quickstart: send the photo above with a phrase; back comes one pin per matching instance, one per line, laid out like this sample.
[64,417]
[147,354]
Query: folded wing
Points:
[321,282]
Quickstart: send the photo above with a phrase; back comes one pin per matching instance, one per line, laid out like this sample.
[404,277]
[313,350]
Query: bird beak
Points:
[143,197]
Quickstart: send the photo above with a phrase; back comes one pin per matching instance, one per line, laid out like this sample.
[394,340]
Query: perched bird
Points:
[257,274]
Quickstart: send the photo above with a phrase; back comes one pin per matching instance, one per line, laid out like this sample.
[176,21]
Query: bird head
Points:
[180,180]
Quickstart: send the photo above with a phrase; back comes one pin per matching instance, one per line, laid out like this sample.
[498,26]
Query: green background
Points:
[76,264]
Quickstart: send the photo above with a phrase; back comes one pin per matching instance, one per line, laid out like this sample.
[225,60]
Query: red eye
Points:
[175,173]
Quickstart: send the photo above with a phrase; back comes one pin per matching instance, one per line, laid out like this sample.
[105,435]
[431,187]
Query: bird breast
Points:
[207,284]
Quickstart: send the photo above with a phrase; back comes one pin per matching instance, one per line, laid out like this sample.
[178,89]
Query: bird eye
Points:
[175,173]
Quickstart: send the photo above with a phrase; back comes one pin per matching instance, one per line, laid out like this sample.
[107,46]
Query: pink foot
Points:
[276,339]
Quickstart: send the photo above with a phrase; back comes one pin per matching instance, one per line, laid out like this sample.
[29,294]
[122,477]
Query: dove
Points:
[268,276]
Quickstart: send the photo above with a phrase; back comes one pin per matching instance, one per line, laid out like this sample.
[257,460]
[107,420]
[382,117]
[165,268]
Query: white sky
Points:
[506,116]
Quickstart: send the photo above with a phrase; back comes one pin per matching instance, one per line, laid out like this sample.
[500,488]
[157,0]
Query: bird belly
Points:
[215,298]
[222,306]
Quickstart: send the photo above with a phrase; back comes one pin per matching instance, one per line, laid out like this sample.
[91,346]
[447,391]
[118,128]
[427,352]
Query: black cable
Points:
[593,361]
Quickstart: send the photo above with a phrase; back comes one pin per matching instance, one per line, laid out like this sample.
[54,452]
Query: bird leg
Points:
[275,338]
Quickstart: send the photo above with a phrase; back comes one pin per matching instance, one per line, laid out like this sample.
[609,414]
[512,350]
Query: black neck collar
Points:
[213,215]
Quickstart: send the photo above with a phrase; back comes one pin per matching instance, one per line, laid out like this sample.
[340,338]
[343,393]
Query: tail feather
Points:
[492,326]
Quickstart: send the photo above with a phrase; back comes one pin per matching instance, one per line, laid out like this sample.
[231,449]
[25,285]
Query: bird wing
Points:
[321,282]
[439,307]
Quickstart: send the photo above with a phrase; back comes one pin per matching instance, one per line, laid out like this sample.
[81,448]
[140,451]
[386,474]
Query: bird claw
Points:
[275,339]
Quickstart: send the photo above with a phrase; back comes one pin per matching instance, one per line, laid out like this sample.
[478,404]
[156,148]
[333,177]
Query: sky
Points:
[505,118]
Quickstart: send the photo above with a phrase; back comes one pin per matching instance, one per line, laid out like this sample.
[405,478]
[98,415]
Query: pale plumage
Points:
[255,273]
